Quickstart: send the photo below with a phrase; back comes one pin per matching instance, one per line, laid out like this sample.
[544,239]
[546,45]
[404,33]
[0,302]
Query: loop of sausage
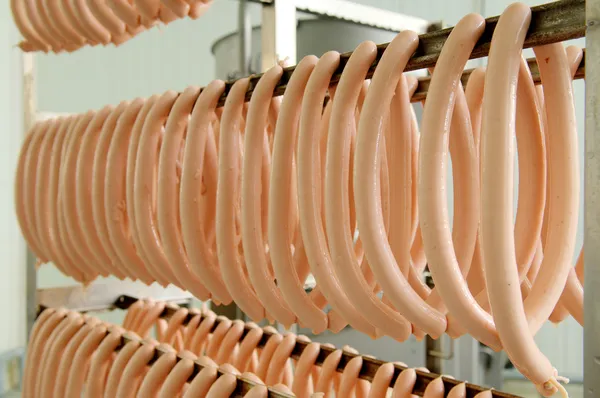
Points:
[59,21]
[381,381]
[84,165]
[196,164]
[202,382]
[95,28]
[282,228]
[328,372]
[106,16]
[266,354]
[349,384]
[303,384]
[174,326]
[155,378]
[223,387]
[168,187]
[68,9]
[101,363]
[385,318]
[280,360]
[180,8]
[435,389]
[217,337]
[174,383]
[199,340]
[248,350]
[97,230]
[433,213]
[62,256]
[228,349]
[309,194]
[230,260]
[118,365]
[496,224]
[404,384]
[166,274]
[253,235]
[81,361]
[23,216]
[118,212]
[33,41]
[71,230]
[133,372]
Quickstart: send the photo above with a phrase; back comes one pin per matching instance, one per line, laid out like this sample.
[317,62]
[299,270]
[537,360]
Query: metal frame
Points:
[592,205]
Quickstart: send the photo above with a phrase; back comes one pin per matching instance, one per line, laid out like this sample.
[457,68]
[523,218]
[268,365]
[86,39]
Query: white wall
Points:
[12,246]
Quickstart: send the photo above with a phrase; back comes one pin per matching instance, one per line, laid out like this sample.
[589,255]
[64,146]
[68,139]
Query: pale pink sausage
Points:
[65,41]
[199,340]
[202,382]
[176,380]
[42,190]
[404,384]
[174,326]
[328,372]
[267,352]
[310,198]
[106,16]
[21,181]
[144,193]
[98,238]
[126,11]
[282,185]
[257,392]
[62,25]
[496,224]
[34,18]
[230,261]
[34,340]
[223,387]
[198,8]
[97,30]
[381,382]
[81,361]
[217,337]
[118,365]
[118,210]
[155,378]
[435,389]
[459,391]
[100,364]
[68,10]
[432,209]
[83,191]
[349,384]
[254,234]
[228,349]
[303,384]
[180,8]
[280,360]
[191,327]
[53,199]
[247,350]
[196,164]
[165,274]
[73,237]
[146,319]
[168,187]
[337,203]
[133,373]
[33,41]
[60,378]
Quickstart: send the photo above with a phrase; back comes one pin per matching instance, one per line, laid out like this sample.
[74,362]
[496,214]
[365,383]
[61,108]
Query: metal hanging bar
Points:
[367,372]
[550,23]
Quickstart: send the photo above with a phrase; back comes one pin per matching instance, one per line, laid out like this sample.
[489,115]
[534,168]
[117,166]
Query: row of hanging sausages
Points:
[241,203]
[68,25]
[73,355]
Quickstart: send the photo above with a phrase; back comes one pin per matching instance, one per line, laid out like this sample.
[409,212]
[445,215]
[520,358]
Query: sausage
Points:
[97,228]
[69,10]
[435,389]
[201,384]
[196,163]
[404,384]
[98,32]
[34,340]
[175,382]
[223,387]
[118,365]
[157,374]
[309,200]
[81,360]
[118,211]
[228,350]
[514,327]
[232,268]
[192,326]
[381,381]
[62,257]
[259,391]
[373,234]
[84,165]
[136,132]
[33,40]
[200,336]
[253,231]
[328,372]
[432,210]
[303,384]
[174,327]
[217,337]
[167,198]
[180,8]
[248,349]
[69,229]
[101,363]
[64,42]
[280,360]
[60,22]
[133,372]
[106,16]
[267,352]
[349,385]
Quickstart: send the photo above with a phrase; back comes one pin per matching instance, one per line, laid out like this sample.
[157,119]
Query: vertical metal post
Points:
[29,118]
[245,36]
[592,203]
[278,34]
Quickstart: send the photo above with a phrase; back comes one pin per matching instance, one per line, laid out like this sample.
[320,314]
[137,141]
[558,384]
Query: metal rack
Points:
[553,22]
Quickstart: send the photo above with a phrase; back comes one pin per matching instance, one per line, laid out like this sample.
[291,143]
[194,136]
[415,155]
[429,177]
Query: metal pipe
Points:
[245,38]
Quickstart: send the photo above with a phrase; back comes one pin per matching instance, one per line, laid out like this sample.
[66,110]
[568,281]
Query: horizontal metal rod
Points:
[367,371]
[550,23]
